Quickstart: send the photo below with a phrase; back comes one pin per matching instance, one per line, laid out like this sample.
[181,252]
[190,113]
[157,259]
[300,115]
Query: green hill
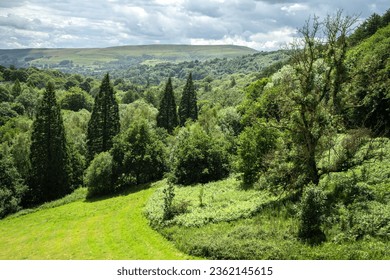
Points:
[112,228]
[114,56]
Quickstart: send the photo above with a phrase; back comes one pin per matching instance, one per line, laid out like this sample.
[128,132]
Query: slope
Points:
[112,228]
[123,55]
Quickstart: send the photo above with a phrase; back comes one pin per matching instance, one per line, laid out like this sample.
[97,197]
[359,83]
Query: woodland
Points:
[266,155]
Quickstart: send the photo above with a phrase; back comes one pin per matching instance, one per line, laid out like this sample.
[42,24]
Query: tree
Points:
[254,144]
[16,89]
[76,99]
[138,155]
[167,115]
[104,123]
[12,186]
[188,108]
[197,157]
[98,176]
[50,169]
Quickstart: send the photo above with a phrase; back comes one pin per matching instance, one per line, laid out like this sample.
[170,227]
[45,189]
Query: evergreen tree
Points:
[50,169]
[167,115]
[188,108]
[104,122]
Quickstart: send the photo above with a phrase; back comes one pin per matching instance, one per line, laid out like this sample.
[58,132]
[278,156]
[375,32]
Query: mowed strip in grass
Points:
[111,228]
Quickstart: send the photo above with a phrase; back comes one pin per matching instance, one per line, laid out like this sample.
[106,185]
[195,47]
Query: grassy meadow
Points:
[107,228]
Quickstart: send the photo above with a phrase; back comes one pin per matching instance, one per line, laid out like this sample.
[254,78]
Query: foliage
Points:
[49,156]
[188,108]
[254,144]
[12,187]
[198,157]
[220,201]
[311,215]
[76,99]
[138,155]
[104,123]
[369,95]
[99,176]
[167,115]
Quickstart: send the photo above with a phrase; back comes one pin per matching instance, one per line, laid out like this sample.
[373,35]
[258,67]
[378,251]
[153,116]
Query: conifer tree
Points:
[188,108]
[50,168]
[167,115]
[104,123]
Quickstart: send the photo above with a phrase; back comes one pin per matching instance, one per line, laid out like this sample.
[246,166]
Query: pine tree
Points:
[104,122]
[167,115]
[50,168]
[188,108]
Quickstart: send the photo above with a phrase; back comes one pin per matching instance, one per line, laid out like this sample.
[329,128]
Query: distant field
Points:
[112,228]
[127,55]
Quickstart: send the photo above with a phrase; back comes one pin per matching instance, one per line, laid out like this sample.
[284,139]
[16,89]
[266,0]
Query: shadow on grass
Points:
[123,192]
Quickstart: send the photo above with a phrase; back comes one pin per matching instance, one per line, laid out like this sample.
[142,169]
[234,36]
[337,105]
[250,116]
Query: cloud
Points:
[260,24]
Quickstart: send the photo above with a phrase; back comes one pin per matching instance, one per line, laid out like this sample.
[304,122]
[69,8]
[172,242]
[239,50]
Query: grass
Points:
[223,221]
[110,228]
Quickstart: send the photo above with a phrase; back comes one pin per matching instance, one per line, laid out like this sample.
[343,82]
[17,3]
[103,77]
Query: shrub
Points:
[311,215]
[98,176]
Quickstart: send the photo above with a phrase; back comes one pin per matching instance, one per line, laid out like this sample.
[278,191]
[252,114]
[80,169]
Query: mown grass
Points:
[106,228]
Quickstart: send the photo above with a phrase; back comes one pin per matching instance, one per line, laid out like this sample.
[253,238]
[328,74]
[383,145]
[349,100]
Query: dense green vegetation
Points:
[268,155]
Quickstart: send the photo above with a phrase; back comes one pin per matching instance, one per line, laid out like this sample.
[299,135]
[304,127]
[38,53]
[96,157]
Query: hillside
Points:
[78,59]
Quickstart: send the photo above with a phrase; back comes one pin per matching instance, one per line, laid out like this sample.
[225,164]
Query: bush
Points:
[98,176]
[198,157]
[311,215]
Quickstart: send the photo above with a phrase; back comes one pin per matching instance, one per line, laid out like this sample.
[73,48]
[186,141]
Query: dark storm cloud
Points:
[260,24]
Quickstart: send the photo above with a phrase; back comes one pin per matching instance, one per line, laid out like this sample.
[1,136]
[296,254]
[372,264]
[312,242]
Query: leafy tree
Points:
[12,187]
[197,157]
[16,89]
[138,155]
[167,115]
[188,108]
[50,169]
[76,99]
[104,123]
[98,176]
[254,144]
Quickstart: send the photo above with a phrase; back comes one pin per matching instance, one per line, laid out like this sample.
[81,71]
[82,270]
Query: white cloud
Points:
[296,7]
[260,24]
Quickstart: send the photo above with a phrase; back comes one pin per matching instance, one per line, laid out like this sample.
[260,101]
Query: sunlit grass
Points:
[108,228]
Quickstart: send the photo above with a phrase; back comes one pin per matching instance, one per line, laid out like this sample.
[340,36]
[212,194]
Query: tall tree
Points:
[188,108]
[104,123]
[50,169]
[167,115]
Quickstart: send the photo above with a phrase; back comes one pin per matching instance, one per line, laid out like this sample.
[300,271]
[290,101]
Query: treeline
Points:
[274,131]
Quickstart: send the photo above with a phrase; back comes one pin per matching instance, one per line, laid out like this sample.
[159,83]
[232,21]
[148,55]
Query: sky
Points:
[263,25]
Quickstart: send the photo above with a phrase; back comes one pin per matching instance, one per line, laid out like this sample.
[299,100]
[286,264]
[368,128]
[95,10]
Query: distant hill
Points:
[98,59]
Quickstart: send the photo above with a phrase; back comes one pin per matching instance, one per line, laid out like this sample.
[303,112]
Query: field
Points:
[111,228]
[124,55]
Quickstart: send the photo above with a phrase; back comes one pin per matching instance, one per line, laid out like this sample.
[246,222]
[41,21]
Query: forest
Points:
[279,155]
